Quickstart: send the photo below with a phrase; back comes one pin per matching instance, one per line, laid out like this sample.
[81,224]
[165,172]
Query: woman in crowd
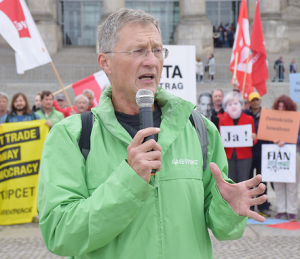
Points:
[239,158]
[37,102]
[287,193]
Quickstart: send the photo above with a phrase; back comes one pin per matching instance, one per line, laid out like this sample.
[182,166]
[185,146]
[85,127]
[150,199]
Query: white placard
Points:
[278,164]
[237,136]
[179,73]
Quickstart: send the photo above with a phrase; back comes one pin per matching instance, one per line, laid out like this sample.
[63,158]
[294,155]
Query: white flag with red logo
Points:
[19,30]
[242,47]
[259,64]
[96,82]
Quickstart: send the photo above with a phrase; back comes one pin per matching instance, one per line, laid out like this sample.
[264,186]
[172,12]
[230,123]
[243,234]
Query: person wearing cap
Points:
[61,105]
[254,110]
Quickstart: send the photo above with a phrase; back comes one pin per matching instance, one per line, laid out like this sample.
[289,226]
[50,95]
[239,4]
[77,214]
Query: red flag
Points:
[259,64]
[19,30]
[96,82]
[242,47]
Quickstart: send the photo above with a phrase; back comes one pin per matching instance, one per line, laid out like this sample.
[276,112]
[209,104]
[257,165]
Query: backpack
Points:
[87,120]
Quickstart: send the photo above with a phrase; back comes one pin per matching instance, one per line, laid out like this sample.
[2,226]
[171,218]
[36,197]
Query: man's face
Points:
[81,105]
[62,103]
[204,106]
[20,103]
[255,104]
[47,102]
[3,104]
[90,97]
[217,98]
[128,74]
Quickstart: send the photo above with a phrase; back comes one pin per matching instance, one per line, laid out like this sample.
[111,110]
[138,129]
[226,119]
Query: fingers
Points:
[259,200]
[254,215]
[141,134]
[253,181]
[258,190]
[216,173]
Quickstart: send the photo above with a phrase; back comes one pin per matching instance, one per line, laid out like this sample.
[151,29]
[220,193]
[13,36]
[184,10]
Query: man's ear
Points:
[104,63]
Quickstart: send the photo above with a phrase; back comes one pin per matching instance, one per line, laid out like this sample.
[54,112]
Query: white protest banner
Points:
[179,73]
[278,164]
[295,87]
[236,136]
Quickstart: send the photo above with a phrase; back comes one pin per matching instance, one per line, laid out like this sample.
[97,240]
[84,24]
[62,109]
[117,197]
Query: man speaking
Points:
[110,206]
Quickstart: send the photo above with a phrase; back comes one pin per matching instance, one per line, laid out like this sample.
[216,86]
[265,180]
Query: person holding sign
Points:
[239,155]
[287,193]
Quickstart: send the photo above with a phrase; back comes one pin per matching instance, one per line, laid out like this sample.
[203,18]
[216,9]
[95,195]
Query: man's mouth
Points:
[146,77]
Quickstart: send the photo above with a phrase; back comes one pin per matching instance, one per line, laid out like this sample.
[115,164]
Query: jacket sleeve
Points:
[72,221]
[220,218]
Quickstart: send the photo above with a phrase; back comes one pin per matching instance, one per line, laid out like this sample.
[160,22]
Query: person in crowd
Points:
[212,67]
[217,99]
[61,105]
[293,66]
[3,107]
[254,110]
[37,102]
[230,37]
[239,158]
[279,69]
[20,111]
[206,69]
[90,95]
[47,111]
[109,205]
[287,193]
[204,107]
[81,103]
[199,70]
[221,37]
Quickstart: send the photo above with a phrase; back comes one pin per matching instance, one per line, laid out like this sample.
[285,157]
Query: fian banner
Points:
[295,87]
[237,136]
[21,145]
[278,164]
[179,72]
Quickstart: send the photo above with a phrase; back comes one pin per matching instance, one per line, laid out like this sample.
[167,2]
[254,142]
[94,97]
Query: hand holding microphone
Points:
[138,155]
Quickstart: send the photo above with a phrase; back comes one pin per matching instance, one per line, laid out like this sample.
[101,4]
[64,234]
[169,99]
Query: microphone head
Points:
[144,98]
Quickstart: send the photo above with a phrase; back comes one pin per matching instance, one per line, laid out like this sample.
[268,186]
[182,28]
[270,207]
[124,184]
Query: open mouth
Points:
[146,77]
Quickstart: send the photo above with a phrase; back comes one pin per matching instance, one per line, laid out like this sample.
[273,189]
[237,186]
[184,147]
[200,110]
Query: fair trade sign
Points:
[237,136]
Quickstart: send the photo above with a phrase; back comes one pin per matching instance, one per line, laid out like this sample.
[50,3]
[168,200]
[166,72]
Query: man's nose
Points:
[150,59]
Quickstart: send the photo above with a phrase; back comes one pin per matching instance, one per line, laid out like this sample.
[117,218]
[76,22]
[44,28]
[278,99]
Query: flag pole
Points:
[234,79]
[245,75]
[62,86]
[61,90]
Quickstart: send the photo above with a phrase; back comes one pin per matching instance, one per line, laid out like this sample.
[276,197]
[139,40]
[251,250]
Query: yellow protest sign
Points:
[21,146]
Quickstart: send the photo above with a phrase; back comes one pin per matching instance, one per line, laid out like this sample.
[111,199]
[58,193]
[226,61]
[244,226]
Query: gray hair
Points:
[4,95]
[108,32]
[230,96]
[88,91]
[81,96]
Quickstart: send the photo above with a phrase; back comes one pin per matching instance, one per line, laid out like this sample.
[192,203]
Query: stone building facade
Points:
[280,19]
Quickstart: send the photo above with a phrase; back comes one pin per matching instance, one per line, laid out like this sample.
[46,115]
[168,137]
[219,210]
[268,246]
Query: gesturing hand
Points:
[138,156]
[240,196]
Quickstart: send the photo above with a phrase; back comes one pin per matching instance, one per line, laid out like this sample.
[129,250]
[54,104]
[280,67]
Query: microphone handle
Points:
[146,121]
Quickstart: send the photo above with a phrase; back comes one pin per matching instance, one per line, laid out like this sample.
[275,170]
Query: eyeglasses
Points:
[143,53]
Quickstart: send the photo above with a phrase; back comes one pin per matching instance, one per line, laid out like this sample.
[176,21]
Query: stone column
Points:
[44,14]
[194,28]
[275,29]
[108,8]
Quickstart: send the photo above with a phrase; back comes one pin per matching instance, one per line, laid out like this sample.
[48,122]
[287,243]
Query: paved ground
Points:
[24,241]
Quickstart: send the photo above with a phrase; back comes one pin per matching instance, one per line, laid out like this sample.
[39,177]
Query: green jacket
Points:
[54,116]
[103,209]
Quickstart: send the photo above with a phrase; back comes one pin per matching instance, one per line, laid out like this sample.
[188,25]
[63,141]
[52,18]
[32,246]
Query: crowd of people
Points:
[45,107]
[243,162]
[223,36]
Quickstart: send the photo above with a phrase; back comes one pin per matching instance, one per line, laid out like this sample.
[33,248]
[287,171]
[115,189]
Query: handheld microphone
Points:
[145,99]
